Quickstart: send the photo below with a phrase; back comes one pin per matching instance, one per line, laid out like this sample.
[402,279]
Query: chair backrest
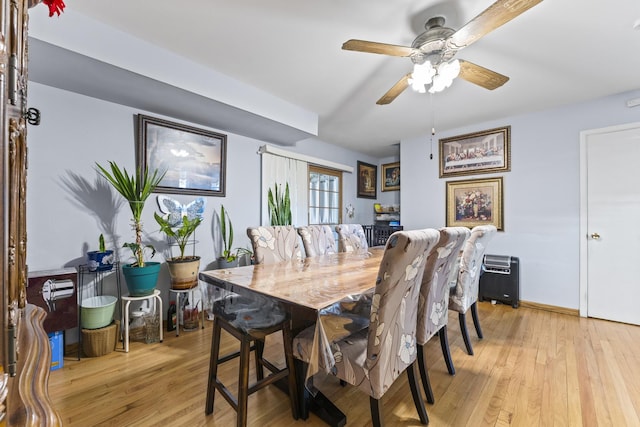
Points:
[391,345]
[351,238]
[317,240]
[465,292]
[434,293]
[274,243]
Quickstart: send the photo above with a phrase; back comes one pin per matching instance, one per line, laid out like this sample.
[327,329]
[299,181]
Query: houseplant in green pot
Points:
[140,276]
[228,258]
[102,259]
[183,270]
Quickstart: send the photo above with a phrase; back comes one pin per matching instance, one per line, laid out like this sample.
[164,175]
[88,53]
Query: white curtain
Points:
[282,170]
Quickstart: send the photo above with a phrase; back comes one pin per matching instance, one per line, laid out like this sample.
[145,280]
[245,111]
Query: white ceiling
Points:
[559,52]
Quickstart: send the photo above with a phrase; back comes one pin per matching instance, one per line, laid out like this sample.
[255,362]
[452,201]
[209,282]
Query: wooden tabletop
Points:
[314,283]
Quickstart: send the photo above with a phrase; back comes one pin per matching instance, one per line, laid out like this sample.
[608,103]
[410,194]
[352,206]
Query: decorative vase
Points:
[141,281]
[100,261]
[184,272]
[223,263]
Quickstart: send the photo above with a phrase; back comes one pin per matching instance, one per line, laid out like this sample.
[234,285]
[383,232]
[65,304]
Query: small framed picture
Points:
[391,176]
[487,151]
[367,177]
[475,202]
[194,159]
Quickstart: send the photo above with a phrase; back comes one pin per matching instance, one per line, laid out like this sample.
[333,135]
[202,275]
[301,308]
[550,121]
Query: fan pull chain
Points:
[433,126]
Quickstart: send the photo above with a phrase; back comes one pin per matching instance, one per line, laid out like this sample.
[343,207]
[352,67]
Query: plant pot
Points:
[100,261]
[97,312]
[184,272]
[223,263]
[141,281]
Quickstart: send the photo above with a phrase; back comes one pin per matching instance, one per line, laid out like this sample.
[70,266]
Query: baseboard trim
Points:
[551,308]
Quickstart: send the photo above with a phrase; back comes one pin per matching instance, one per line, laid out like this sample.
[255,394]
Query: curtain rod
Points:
[270,149]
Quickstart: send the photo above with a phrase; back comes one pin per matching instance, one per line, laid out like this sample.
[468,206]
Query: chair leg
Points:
[415,393]
[444,343]
[465,333]
[259,350]
[213,368]
[243,382]
[424,375]
[287,339]
[376,415]
[476,321]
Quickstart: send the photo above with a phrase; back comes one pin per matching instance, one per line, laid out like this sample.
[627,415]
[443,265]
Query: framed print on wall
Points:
[487,151]
[475,202]
[367,176]
[391,176]
[194,159]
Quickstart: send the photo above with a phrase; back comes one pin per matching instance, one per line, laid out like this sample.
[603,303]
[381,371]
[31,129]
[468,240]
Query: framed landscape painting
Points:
[194,159]
[475,202]
[367,177]
[487,151]
[391,176]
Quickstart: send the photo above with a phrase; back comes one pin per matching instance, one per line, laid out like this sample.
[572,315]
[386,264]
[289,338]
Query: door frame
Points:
[584,241]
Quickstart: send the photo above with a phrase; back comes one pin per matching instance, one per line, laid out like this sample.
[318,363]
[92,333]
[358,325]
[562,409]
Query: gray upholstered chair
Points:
[351,238]
[464,287]
[317,240]
[434,299]
[274,243]
[373,358]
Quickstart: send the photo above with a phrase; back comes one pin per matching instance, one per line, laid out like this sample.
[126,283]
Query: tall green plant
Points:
[279,205]
[136,189]
[227,235]
[180,234]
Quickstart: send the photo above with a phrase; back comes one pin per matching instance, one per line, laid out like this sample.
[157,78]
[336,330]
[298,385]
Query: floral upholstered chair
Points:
[351,238]
[464,289]
[434,298]
[317,240]
[373,358]
[274,243]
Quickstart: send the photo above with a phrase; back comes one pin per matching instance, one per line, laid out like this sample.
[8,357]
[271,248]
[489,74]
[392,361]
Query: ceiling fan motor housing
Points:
[431,44]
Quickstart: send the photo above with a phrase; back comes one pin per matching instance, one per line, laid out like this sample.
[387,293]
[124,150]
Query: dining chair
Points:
[374,357]
[434,299]
[351,238]
[317,240]
[274,243]
[464,287]
[250,319]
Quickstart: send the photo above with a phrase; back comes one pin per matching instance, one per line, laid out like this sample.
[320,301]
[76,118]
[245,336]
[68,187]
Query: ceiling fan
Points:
[437,45]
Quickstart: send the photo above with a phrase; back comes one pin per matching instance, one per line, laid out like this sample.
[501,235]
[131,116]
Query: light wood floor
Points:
[534,368]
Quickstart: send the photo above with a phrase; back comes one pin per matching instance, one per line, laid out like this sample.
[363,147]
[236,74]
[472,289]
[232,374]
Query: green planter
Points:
[141,281]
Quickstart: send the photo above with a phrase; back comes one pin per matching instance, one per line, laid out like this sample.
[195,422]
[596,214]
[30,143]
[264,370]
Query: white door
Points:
[613,224]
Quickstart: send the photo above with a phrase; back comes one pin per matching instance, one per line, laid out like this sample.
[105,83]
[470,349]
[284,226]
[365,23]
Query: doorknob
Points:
[595,236]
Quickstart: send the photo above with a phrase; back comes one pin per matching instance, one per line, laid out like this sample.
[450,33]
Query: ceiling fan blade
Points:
[481,76]
[491,18]
[375,47]
[395,90]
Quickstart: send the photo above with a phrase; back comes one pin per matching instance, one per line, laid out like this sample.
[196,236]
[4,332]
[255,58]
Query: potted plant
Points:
[279,206]
[140,276]
[102,259]
[183,270]
[228,258]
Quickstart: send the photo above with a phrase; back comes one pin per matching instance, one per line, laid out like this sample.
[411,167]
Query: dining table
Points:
[329,293]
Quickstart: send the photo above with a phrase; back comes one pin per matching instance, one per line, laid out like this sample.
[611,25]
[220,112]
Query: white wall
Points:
[69,205]
[541,193]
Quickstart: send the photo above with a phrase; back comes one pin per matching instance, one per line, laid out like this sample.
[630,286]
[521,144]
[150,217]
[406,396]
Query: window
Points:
[325,196]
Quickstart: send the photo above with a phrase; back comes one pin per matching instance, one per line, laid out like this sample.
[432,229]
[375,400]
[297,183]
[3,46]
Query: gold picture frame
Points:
[475,202]
[390,178]
[487,151]
[367,177]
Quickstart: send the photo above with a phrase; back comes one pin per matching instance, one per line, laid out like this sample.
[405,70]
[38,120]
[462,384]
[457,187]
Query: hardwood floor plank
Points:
[533,368]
